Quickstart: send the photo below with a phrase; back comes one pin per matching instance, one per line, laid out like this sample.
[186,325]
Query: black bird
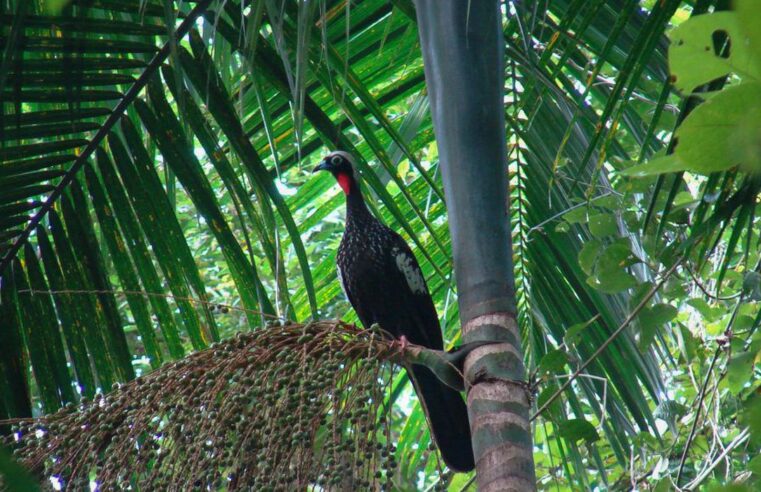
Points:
[382,279]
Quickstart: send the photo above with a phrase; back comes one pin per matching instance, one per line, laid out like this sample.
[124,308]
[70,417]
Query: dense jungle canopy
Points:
[167,257]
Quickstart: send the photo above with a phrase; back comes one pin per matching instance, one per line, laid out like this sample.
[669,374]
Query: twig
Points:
[697,415]
[610,339]
[741,437]
[727,335]
[563,212]
[705,291]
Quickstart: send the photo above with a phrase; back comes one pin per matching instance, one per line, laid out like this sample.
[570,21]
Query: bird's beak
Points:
[322,166]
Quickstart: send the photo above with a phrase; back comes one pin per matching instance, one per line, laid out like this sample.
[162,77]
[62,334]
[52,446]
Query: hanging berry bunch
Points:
[284,408]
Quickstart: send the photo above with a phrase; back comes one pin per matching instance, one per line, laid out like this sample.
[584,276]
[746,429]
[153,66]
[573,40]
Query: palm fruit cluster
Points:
[290,407]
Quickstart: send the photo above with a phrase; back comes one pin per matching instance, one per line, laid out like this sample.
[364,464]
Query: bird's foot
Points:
[401,342]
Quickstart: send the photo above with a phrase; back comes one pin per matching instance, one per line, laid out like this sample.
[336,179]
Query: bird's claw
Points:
[401,342]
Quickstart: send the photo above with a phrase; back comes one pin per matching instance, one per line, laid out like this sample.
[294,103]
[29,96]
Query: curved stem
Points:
[701,397]
[610,339]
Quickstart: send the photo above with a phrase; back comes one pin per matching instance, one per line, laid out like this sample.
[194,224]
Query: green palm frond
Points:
[108,105]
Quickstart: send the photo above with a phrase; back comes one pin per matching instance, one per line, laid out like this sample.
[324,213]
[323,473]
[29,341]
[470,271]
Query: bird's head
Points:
[341,166]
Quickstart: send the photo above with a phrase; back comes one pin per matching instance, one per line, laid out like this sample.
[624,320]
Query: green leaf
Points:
[688,343]
[610,275]
[46,329]
[88,256]
[734,487]
[612,281]
[41,360]
[749,19]
[575,430]
[123,266]
[576,216]
[658,315]
[133,236]
[694,55]
[89,319]
[660,165]
[740,371]
[618,254]
[218,103]
[701,305]
[723,131]
[653,317]
[603,225]
[751,416]
[178,154]
[589,254]
[573,333]
[552,362]
[162,229]
[14,390]
[555,410]
[611,202]
[752,285]
[663,485]
[71,323]
[755,465]
[222,165]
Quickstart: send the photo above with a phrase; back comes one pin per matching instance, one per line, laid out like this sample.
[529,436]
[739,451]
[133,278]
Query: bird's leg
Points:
[401,342]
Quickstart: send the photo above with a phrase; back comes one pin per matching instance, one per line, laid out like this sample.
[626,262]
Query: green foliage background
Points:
[202,196]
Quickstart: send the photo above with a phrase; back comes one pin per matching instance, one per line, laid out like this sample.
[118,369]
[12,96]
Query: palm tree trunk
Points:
[463,51]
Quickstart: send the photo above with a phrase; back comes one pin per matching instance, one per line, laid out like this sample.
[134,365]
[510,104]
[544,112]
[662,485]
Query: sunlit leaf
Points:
[578,429]
[695,57]
[723,131]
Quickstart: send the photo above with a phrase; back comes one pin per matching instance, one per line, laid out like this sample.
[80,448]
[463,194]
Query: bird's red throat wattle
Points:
[344,181]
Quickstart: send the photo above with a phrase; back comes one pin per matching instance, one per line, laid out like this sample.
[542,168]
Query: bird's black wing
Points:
[416,314]
[444,407]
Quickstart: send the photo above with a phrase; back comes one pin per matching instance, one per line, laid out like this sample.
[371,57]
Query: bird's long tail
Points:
[448,418]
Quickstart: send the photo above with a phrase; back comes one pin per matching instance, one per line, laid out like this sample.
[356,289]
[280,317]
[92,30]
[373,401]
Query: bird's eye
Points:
[335,160]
